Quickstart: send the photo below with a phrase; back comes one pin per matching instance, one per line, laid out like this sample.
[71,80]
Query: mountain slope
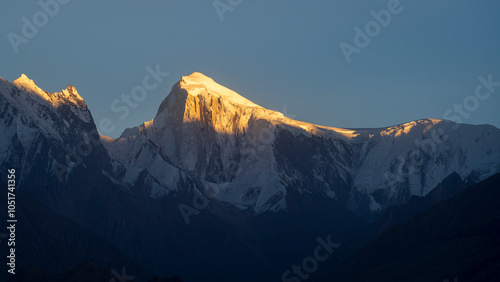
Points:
[47,136]
[394,215]
[455,238]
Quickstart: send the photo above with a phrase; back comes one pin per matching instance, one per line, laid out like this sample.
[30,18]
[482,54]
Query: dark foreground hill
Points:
[455,238]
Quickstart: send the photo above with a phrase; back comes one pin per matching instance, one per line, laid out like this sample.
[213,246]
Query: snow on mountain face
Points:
[42,106]
[412,158]
[65,97]
[42,129]
[207,130]
[251,157]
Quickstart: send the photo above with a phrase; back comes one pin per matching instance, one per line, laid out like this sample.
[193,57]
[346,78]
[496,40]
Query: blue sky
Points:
[279,54]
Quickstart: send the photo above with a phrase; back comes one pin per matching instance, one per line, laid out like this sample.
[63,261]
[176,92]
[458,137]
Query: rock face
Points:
[47,136]
[266,182]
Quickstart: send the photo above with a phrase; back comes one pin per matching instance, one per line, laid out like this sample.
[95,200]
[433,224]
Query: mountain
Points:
[457,238]
[394,215]
[217,184]
[252,158]
[48,137]
[67,169]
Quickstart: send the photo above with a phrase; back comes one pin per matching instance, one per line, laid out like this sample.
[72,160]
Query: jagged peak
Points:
[70,94]
[26,82]
[196,84]
[23,78]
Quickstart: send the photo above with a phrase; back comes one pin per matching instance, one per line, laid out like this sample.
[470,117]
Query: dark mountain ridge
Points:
[454,238]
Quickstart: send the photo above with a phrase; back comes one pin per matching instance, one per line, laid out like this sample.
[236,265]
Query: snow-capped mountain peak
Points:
[70,94]
[198,83]
[24,80]
[66,96]
[250,156]
[28,85]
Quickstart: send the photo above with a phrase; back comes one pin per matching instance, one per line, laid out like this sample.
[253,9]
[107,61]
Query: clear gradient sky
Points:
[278,54]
